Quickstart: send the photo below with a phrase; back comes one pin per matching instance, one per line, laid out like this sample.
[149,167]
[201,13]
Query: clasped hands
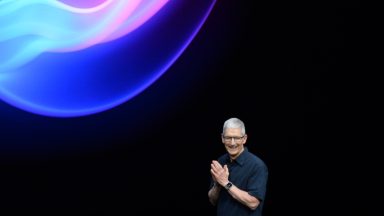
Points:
[219,173]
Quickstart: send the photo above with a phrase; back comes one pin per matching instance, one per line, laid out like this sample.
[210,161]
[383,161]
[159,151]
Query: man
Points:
[239,178]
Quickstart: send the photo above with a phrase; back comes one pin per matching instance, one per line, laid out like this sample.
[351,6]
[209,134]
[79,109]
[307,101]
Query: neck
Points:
[235,156]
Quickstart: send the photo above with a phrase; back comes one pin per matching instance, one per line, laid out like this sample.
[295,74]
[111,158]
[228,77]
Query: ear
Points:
[245,138]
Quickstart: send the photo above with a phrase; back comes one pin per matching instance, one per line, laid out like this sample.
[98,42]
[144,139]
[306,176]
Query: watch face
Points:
[229,185]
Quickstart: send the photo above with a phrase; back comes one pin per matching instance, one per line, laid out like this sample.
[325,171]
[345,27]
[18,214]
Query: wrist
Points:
[223,183]
[217,185]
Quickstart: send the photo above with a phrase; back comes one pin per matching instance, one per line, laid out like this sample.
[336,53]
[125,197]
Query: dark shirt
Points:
[249,173]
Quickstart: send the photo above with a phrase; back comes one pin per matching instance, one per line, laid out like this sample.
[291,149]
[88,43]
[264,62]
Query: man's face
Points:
[234,141]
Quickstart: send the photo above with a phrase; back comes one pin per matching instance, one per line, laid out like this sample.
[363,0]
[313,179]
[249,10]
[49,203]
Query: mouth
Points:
[232,147]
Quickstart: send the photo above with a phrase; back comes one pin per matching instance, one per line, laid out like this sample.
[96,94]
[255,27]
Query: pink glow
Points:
[83,3]
[66,28]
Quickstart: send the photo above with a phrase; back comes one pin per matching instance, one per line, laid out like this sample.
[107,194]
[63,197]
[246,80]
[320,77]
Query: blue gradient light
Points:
[104,75]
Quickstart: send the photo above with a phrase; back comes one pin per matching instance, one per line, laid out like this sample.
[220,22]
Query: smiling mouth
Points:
[232,147]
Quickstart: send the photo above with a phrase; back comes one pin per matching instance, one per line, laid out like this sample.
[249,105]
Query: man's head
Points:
[234,137]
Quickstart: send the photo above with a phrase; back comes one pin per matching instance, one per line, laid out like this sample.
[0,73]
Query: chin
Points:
[233,153]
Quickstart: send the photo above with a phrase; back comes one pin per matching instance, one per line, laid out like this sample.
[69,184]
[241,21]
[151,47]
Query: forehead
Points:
[233,132]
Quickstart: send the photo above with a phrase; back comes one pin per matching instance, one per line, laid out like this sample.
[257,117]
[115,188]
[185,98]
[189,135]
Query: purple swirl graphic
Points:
[72,58]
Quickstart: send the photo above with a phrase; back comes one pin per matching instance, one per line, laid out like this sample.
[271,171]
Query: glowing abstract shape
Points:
[55,61]
[26,31]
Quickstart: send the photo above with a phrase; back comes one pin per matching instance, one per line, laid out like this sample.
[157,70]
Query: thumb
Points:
[226,168]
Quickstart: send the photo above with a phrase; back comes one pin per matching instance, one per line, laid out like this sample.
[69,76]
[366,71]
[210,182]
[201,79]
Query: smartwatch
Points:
[228,185]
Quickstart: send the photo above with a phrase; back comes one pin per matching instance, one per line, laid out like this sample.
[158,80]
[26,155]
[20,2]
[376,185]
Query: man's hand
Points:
[219,173]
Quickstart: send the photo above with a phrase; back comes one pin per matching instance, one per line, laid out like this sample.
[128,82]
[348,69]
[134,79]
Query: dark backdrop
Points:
[277,66]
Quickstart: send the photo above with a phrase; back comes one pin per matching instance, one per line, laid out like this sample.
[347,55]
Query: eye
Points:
[78,59]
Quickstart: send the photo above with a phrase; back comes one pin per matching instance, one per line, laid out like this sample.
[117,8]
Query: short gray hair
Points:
[234,123]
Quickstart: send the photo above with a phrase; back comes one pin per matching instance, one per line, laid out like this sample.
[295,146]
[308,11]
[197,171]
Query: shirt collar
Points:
[240,159]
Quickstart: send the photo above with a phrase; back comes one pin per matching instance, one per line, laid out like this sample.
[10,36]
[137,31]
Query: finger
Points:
[226,169]
[217,164]
[214,174]
[213,166]
[216,167]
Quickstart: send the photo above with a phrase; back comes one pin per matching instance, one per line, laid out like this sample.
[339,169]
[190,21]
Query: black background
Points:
[277,66]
